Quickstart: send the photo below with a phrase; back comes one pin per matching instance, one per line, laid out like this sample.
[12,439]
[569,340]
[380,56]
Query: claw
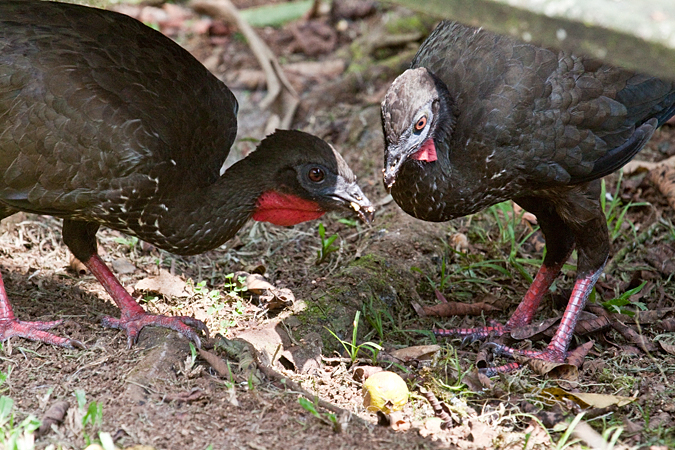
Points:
[36,331]
[134,325]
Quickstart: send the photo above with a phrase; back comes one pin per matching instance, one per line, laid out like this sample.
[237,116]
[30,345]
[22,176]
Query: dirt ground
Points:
[161,395]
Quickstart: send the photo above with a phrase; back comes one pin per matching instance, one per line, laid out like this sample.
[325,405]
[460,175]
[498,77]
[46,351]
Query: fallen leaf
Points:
[591,325]
[418,352]
[563,371]
[636,166]
[122,266]
[527,216]
[254,282]
[578,355]
[165,284]
[218,364]
[53,416]
[459,242]
[397,422]
[632,427]
[361,373]
[529,331]
[185,397]
[588,400]
[664,179]
[304,358]
[634,337]
[584,432]
[669,348]
[77,266]
[667,325]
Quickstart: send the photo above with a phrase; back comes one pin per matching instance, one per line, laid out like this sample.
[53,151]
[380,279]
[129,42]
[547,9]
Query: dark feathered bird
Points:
[104,121]
[481,118]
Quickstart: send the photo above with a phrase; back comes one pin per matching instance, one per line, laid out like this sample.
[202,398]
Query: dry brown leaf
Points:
[667,325]
[361,373]
[651,316]
[529,331]
[664,179]
[458,309]
[633,336]
[578,355]
[591,325]
[562,371]
[165,284]
[398,422]
[418,352]
[122,266]
[636,166]
[254,282]
[77,266]
[218,364]
[588,400]
[527,216]
[483,358]
[306,357]
[584,432]
[53,416]
[669,348]
[459,242]
[185,397]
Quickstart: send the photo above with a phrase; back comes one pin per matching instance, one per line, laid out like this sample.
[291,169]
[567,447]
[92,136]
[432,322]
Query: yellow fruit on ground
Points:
[386,392]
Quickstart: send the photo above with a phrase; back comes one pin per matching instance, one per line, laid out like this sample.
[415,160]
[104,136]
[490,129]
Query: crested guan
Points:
[104,121]
[481,118]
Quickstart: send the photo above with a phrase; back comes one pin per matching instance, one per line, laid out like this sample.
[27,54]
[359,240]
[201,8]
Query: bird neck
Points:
[210,216]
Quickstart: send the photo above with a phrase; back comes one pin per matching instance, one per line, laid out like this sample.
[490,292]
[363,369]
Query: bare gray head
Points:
[414,110]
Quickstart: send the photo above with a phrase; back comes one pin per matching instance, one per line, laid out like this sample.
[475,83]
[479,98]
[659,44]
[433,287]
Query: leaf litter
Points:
[232,395]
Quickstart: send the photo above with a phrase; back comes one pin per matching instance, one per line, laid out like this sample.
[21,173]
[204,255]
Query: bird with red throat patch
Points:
[105,121]
[481,118]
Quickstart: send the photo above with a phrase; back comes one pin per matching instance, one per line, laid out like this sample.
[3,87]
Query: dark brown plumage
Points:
[481,118]
[104,121]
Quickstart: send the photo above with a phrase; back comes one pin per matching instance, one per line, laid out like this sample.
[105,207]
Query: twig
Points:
[438,408]
[278,87]
[293,386]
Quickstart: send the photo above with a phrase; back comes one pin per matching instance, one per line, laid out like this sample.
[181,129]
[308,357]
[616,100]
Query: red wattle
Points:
[285,210]
[427,151]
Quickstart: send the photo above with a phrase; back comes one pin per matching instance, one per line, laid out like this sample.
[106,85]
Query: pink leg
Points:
[34,331]
[523,314]
[133,317]
[557,348]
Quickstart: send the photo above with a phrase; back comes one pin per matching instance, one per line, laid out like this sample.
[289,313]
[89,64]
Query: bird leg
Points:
[557,348]
[80,237]
[133,316]
[34,331]
[521,317]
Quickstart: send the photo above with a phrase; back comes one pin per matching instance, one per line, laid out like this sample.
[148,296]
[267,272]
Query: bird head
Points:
[413,111]
[310,179]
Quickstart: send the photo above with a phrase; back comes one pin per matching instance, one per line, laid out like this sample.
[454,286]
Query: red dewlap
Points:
[285,210]
[427,152]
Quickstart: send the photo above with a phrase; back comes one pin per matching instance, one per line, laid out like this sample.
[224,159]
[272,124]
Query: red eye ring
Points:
[316,175]
[421,123]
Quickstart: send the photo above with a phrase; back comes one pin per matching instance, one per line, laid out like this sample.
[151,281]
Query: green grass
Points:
[16,435]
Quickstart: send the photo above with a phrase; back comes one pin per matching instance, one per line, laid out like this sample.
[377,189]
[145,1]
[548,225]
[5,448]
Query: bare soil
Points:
[156,394]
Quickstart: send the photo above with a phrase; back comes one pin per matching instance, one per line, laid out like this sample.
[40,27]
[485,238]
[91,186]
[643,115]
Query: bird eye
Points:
[419,126]
[316,175]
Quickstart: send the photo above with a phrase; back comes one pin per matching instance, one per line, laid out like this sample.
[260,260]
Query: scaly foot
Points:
[35,331]
[133,325]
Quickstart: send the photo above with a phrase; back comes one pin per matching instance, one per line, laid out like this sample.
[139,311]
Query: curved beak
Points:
[393,159]
[350,196]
